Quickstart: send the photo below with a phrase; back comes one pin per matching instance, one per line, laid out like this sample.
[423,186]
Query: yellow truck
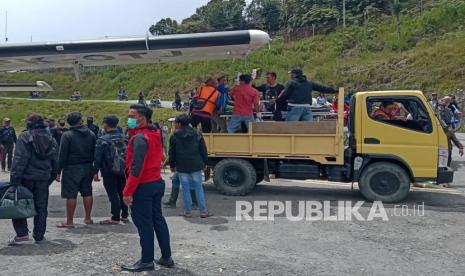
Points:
[383,156]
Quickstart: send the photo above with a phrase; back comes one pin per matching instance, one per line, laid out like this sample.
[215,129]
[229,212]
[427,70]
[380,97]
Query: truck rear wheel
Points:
[383,181]
[234,177]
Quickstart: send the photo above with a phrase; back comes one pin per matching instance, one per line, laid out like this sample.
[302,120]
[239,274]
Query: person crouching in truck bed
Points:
[298,91]
[246,101]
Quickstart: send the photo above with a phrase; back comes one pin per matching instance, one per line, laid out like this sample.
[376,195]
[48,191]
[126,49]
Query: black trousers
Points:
[40,192]
[206,123]
[178,105]
[148,218]
[7,155]
[114,185]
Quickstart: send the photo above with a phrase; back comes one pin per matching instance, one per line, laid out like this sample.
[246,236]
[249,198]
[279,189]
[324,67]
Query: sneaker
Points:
[169,263]
[18,240]
[40,241]
[169,204]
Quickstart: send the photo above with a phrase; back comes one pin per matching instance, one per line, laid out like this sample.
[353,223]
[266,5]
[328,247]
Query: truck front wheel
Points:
[383,181]
[234,177]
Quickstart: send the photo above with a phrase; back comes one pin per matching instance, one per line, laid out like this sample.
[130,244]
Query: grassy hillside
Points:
[17,110]
[428,56]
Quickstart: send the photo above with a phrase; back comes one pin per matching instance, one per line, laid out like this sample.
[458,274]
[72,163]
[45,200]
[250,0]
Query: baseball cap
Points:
[297,70]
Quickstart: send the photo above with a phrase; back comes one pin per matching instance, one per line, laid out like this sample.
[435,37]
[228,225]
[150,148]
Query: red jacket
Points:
[149,169]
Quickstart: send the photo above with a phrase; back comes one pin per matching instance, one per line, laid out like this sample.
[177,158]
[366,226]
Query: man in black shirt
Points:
[76,157]
[58,131]
[298,93]
[91,126]
[8,140]
[270,93]
[34,165]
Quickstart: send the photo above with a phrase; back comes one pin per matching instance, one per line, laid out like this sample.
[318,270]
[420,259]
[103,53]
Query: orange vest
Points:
[203,93]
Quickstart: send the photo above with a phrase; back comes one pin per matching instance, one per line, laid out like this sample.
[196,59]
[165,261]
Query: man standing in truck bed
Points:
[298,93]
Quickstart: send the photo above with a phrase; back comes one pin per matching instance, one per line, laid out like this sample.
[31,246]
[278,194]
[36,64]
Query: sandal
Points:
[109,222]
[125,220]
[64,225]
[206,214]
[88,222]
[186,215]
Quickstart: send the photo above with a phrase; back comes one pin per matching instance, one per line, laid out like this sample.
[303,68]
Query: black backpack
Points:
[115,154]
[6,136]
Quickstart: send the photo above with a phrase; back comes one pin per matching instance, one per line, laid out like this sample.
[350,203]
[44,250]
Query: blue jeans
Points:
[188,181]
[236,122]
[147,216]
[299,113]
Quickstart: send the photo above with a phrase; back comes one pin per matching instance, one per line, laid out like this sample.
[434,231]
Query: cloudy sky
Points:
[52,20]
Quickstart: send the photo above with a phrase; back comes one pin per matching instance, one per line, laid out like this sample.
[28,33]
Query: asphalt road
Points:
[414,243]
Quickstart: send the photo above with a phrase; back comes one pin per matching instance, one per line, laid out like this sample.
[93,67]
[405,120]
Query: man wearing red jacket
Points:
[145,188]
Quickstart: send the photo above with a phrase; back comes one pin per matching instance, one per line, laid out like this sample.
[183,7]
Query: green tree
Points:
[223,15]
[264,14]
[165,26]
[193,24]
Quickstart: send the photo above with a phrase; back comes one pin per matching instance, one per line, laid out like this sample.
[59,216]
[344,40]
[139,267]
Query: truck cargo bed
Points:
[321,141]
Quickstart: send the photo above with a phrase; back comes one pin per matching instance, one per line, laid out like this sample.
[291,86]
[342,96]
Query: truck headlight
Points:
[443,157]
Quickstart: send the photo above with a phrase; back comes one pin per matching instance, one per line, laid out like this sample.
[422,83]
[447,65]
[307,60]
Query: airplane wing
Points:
[130,50]
[39,86]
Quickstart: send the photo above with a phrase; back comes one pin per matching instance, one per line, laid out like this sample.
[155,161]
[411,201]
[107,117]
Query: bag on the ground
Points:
[16,202]
[115,155]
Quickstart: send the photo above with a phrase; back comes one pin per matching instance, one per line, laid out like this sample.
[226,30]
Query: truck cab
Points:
[387,151]
[391,139]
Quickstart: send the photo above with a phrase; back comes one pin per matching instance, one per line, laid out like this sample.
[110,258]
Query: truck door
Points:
[401,128]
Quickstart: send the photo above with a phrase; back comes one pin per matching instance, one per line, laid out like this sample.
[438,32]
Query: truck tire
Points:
[234,177]
[383,181]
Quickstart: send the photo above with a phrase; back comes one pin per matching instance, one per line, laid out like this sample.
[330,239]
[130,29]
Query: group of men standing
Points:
[129,165]
[214,99]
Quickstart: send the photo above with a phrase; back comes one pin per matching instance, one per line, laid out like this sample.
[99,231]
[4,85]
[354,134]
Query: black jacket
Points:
[188,152]
[7,135]
[35,156]
[77,147]
[57,132]
[299,90]
[94,128]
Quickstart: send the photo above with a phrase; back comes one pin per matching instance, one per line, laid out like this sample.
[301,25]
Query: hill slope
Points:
[429,56]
